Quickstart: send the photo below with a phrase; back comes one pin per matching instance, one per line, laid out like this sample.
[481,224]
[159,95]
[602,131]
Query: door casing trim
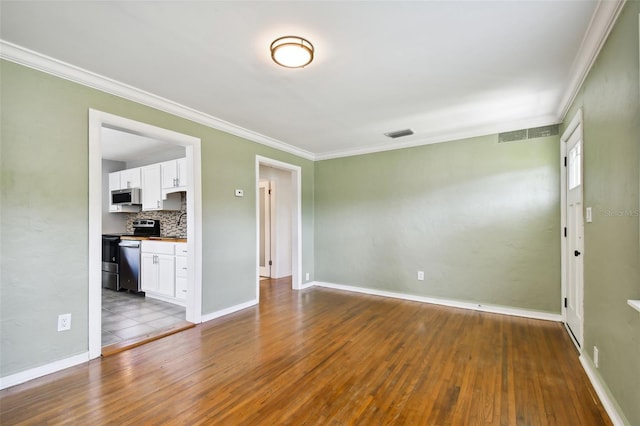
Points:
[296,222]
[97,119]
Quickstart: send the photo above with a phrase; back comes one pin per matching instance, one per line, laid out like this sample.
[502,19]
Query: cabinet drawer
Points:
[181,249]
[181,288]
[181,266]
[157,247]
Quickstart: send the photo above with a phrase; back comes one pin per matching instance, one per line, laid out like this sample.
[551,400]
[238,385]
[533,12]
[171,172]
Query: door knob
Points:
[576,253]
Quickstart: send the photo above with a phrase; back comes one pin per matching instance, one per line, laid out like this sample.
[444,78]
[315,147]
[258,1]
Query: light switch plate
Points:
[239,193]
[589,216]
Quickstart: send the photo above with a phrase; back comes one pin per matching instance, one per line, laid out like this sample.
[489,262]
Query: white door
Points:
[575,237]
[265,229]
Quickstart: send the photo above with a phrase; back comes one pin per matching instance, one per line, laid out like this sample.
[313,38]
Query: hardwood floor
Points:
[326,357]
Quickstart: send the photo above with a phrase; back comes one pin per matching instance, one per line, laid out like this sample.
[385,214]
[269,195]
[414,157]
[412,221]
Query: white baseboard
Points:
[601,389]
[43,370]
[495,309]
[306,285]
[229,310]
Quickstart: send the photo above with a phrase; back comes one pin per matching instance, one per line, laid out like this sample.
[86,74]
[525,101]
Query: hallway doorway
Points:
[284,248]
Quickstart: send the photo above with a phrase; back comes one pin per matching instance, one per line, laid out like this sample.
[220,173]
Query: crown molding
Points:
[49,65]
[602,22]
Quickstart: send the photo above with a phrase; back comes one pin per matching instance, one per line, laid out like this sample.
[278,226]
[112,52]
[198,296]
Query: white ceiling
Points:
[136,150]
[445,69]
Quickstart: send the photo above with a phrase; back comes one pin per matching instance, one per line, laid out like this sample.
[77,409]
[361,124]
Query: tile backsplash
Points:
[168,220]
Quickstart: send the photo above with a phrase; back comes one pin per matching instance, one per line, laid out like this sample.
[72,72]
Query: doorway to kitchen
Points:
[285,211]
[131,310]
[192,281]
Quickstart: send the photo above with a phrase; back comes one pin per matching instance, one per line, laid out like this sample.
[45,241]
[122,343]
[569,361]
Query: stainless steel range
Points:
[121,257]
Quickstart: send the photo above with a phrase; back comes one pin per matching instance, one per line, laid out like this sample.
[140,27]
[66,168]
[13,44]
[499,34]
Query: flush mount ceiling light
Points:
[292,52]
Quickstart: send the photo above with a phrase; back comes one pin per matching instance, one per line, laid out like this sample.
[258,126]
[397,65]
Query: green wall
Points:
[610,101]
[44,212]
[480,218]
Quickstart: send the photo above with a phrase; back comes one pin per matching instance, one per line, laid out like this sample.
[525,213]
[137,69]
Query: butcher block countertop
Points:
[169,239]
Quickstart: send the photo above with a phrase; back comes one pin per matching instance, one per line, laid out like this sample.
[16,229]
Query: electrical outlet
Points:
[596,357]
[64,322]
[307,276]
[420,275]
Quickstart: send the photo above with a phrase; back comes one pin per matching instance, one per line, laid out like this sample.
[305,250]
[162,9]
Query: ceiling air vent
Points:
[399,133]
[516,135]
[536,132]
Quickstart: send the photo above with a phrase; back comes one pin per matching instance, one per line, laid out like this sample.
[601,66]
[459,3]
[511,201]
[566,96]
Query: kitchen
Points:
[144,230]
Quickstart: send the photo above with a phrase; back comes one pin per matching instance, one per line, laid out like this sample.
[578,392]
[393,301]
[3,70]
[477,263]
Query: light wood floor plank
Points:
[322,356]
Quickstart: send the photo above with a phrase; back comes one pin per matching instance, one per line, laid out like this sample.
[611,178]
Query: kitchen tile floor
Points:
[126,315]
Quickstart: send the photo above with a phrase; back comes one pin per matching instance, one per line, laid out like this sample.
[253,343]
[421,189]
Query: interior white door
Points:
[575,237]
[265,229]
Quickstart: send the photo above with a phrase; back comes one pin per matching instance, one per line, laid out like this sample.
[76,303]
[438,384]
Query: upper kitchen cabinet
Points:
[131,178]
[153,197]
[125,179]
[174,175]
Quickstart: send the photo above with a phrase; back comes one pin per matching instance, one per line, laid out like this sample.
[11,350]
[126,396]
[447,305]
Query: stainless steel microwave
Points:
[126,197]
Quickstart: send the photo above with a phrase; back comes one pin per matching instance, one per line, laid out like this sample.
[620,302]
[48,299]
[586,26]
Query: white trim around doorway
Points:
[296,223]
[98,119]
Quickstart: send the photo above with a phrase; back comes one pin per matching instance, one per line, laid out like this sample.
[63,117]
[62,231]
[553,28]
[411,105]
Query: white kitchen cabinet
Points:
[131,178]
[157,268]
[182,172]
[116,182]
[125,179]
[152,196]
[157,274]
[148,272]
[151,190]
[181,271]
[166,275]
[174,175]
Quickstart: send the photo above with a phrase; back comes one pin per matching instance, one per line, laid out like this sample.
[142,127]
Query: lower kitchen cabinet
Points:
[162,273]
[157,273]
[181,276]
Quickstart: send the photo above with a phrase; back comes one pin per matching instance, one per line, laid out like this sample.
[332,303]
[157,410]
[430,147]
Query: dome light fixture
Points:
[292,52]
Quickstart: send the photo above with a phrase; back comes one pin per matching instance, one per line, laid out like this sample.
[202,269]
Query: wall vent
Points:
[399,133]
[533,133]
